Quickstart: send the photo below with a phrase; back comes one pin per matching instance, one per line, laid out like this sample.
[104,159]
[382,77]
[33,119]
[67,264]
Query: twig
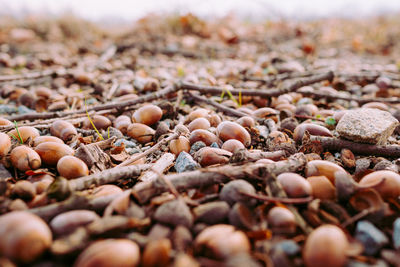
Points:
[160,166]
[285,200]
[391,100]
[112,90]
[214,175]
[29,75]
[255,92]
[243,155]
[336,144]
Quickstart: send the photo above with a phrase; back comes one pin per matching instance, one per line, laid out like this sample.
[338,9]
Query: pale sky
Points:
[134,9]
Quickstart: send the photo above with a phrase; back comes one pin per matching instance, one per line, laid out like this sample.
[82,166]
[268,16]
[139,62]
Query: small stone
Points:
[371,237]
[23,110]
[7,109]
[212,213]
[290,247]
[113,132]
[196,147]
[174,213]
[214,145]
[127,143]
[367,125]
[396,234]
[185,163]
[231,192]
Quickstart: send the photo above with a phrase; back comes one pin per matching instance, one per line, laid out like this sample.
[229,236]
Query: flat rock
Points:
[367,125]
[371,237]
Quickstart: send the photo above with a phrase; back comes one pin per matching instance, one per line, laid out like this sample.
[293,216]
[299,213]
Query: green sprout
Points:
[330,121]
[91,122]
[19,135]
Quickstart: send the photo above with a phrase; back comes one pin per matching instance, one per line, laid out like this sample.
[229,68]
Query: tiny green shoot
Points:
[231,96]
[240,97]
[19,135]
[91,122]
[330,121]
[108,132]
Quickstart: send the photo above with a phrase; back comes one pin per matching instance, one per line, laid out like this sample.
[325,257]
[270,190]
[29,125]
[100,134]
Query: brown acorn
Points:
[313,129]
[294,185]
[246,121]
[232,145]
[322,188]
[99,121]
[25,158]
[110,252]
[198,113]
[67,222]
[141,132]
[46,138]
[178,145]
[266,113]
[214,120]
[5,122]
[52,152]
[323,167]
[63,130]
[24,237]
[148,114]
[106,190]
[25,132]
[24,190]
[122,123]
[72,167]
[207,156]
[199,123]
[161,248]
[5,144]
[389,188]
[281,220]
[41,182]
[231,130]
[326,246]
[203,135]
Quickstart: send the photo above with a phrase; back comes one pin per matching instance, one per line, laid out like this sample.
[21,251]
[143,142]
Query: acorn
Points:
[246,121]
[106,190]
[63,130]
[313,129]
[110,252]
[389,188]
[52,152]
[221,241]
[207,156]
[43,92]
[232,145]
[323,167]
[67,222]
[214,120]
[25,158]
[41,182]
[178,145]
[25,132]
[199,123]
[326,246]
[122,123]
[294,185]
[5,144]
[281,220]
[198,113]
[141,132]
[205,136]
[322,188]
[5,122]
[24,237]
[46,138]
[157,253]
[99,121]
[231,130]
[24,190]
[266,113]
[148,114]
[72,167]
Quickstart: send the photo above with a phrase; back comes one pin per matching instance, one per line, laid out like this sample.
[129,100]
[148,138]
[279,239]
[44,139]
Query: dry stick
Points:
[29,75]
[285,200]
[391,100]
[48,115]
[159,166]
[279,77]
[112,90]
[335,144]
[178,132]
[243,155]
[215,175]
[256,92]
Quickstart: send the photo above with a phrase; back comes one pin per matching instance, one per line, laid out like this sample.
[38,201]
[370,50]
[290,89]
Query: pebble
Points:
[371,237]
[175,213]
[8,109]
[290,247]
[367,125]
[196,147]
[212,213]
[114,132]
[214,145]
[396,233]
[127,143]
[23,110]
[231,192]
[185,162]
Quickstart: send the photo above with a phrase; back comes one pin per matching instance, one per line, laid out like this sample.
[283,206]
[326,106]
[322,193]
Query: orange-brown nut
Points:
[203,135]
[231,130]
[199,123]
[72,167]
[246,121]
[294,185]
[106,190]
[5,122]
[266,113]
[389,188]
[214,120]
[5,144]
[207,156]
[323,167]
[99,121]
[25,158]
[326,246]
[67,222]
[313,129]
[321,187]
[46,138]
[198,113]
[161,248]
[141,132]
[178,145]
[281,220]
[122,123]
[232,145]
[25,132]
[52,152]
[63,130]
[148,114]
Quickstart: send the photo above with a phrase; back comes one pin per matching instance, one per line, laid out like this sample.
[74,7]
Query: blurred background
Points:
[122,10]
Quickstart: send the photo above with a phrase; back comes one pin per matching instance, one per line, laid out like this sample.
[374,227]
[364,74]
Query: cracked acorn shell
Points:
[63,130]
[25,158]
[52,152]
[72,167]
[389,188]
[24,237]
[110,252]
